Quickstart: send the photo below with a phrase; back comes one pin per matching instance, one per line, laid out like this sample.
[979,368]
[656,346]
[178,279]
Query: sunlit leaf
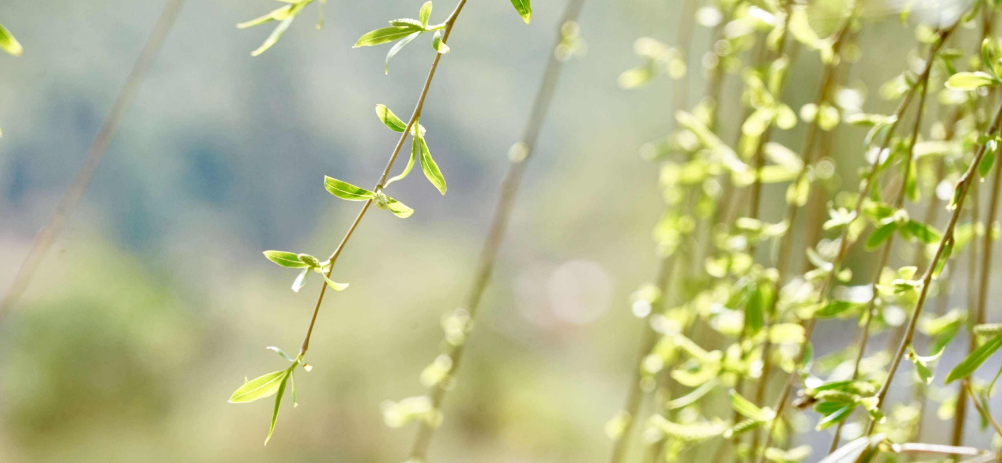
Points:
[970,364]
[259,388]
[524,8]
[285,259]
[347,191]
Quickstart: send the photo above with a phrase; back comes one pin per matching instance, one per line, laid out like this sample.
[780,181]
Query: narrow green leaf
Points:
[991,150]
[335,285]
[9,43]
[347,191]
[746,408]
[389,119]
[300,280]
[410,164]
[275,15]
[970,80]
[524,8]
[881,234]
[425,14]
[429,167]
[923,232]
[970,364]
[396,207]
[859,450]
[921,365]
[438,44]
[285,259]
[282,353]
[278,404]
[835,417]
[259,388]
[693,396]
[385,35]
[399,46]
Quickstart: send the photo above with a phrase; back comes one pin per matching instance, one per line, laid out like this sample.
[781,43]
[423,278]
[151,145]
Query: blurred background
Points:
[156,301]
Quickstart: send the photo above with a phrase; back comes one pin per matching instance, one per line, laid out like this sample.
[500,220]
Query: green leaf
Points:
[524,8]
[9,43]
[385,35]
[991,150]
[970,80]
[835,417]
[300,280]
[857,451]
[259,388]
[693,396]
[285,259]
[881,234]
[286,15]
[389,119]
[438,44]
[278,404]
[282,353]
[277,14]
[835,308]
[429,167]
[410,164]
[396,207]
[425,14]
[399,46]
[347,191]
[746,408]
[923,232]
[968,366]
[335,285]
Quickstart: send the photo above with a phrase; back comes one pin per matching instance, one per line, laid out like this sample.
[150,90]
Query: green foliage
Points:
[8,43]
[285,15]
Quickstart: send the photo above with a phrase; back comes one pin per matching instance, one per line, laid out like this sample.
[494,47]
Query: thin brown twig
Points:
[981,409]
[449,23]
[899,202]
[962,187]
[865,187]
[71,198]
[502,213]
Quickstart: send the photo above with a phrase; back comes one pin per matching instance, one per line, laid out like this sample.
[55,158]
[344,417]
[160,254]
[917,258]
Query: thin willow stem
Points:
[899,202]
[449,23]
[502,214]
[69,201]
[981,409]
[865,187]
[782,261]
[962,187]
[982,295]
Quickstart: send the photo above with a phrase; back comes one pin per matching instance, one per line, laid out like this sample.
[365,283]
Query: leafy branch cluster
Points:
[728,318]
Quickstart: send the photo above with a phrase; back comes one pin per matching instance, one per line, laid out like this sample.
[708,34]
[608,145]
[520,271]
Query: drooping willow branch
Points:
[69,201]
[518,157]
[960,195]
[865,188]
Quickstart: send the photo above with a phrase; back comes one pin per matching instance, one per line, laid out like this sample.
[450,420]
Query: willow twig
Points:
[502,213]
[71,198]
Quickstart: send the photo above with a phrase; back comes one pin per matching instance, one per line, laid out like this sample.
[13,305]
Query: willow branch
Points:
[71,198]
[502,213]
[449,23]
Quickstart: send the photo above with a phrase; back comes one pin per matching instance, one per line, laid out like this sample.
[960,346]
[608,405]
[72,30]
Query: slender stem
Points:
[981,409]
[865,187]
[782,261]
[982,296]
[69,201]
[502,213]
[449,23]
[885,253]
[963,185]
